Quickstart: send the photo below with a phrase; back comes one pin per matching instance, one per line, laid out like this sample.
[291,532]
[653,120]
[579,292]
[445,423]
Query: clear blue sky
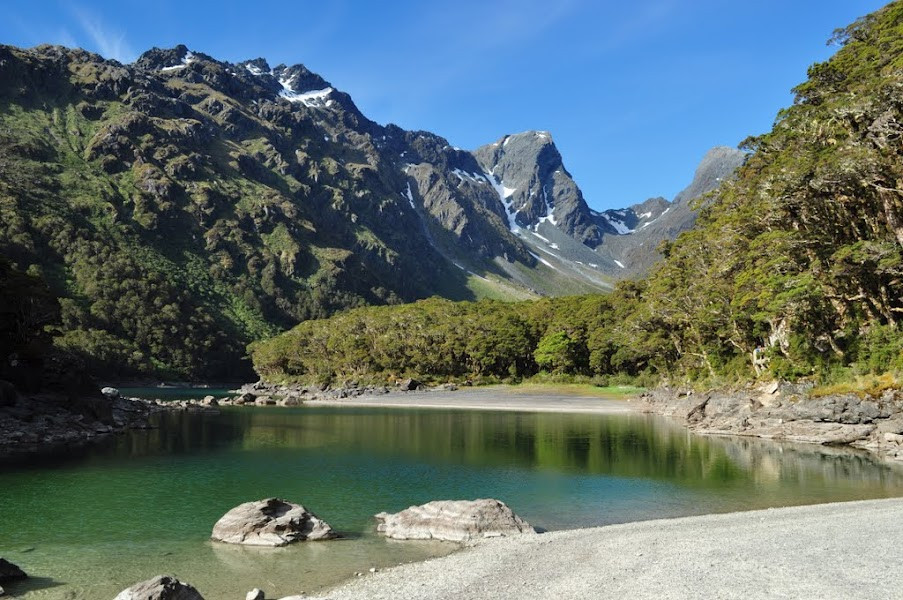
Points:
[634,93]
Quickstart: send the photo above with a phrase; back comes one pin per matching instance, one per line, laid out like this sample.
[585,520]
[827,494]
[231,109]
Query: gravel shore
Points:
[845,550]
[490,398]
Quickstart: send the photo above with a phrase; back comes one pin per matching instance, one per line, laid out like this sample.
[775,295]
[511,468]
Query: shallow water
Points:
[89,522]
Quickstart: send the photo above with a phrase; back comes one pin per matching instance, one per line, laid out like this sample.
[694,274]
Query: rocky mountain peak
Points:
[256,66]
[717,162]
[299,79]
[169,59]
[537,188]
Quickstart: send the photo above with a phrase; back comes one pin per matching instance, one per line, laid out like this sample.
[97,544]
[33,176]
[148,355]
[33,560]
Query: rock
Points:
[255,594]
[161,587]
[409,384]
[110,392]
[265,401]
[290,401]
[209,401]
[453,520]
[894,425]
[270,522]
[10,572]
[2,591]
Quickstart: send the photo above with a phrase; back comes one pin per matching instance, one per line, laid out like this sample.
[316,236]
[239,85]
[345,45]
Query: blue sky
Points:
[634,93]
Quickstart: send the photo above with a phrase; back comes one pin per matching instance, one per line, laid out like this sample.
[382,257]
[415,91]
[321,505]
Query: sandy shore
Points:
[490,398]
[846,550]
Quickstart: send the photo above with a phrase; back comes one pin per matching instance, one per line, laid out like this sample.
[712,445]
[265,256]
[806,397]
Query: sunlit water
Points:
[88,522]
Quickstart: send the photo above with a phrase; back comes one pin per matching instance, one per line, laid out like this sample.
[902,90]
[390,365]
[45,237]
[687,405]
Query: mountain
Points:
[656,220]
[793,269]
[181,207]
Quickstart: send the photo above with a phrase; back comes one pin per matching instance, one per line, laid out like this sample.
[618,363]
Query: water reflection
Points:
[641,446]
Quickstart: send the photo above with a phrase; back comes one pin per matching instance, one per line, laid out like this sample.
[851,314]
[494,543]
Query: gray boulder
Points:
[161,587]
[453,521]
[9,571]
[409,385]
[270,522]
[255,594]
[110,392]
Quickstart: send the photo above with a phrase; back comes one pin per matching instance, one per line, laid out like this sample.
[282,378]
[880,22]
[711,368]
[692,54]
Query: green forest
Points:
[794,269]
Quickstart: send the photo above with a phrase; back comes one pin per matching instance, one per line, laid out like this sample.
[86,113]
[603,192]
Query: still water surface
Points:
[89,522]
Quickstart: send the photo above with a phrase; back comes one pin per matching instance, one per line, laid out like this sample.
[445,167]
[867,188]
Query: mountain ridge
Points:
[180,202]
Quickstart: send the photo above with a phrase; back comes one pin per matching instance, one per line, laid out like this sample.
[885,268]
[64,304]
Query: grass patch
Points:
[863,386]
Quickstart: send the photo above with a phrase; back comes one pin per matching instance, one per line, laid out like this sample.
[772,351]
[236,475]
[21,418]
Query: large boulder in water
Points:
[270,522]
[10,572]
[453,521]
[161,587]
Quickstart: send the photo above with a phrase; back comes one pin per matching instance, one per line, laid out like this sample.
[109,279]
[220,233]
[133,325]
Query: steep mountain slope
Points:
[183,206]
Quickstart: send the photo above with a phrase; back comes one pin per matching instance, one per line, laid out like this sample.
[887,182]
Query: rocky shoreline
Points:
[263,393]
[31,423]
[783,411]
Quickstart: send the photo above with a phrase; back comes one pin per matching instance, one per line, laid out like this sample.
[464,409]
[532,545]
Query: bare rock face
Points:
[161,587]
[270,522]
[453,521]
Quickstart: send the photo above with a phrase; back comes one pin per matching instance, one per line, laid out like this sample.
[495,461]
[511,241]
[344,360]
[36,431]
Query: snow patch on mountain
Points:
[544,261]
[505,193]
[186,60]
[312,99]
[410,196]
[619,226]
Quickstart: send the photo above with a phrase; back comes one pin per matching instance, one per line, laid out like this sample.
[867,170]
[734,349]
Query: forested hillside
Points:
[181,207]
[794,269]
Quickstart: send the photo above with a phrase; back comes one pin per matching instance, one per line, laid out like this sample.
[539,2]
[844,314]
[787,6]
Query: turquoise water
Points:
[88,522]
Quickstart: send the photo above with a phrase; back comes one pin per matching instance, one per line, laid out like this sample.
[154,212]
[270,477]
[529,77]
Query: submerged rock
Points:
[9,571]
[161,587]
[270,522]
[453,521]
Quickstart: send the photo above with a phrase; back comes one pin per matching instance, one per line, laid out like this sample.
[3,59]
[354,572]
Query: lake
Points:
[90,521]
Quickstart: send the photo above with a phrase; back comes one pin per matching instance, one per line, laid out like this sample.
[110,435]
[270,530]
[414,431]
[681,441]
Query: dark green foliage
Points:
[27,311]
[438,340]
